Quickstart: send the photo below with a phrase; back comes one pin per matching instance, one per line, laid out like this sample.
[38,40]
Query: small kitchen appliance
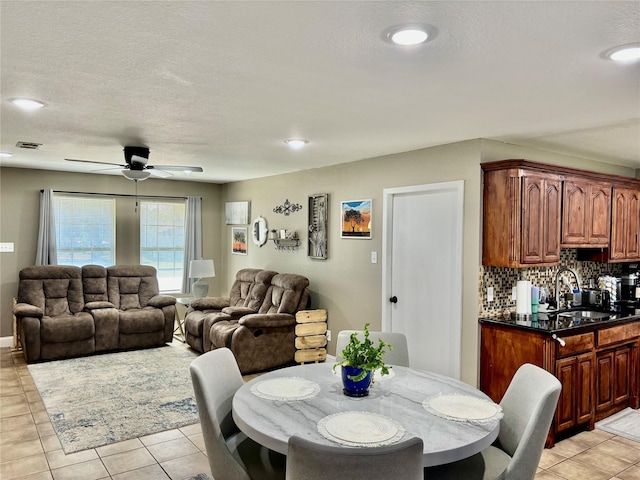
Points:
[630,284]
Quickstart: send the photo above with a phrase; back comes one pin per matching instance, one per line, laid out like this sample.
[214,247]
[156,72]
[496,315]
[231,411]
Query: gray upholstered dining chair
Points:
[398,356]
[528,405]
[231,454]
[310,461]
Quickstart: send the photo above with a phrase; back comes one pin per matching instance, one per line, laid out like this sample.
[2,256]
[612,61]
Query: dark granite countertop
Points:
[556,322]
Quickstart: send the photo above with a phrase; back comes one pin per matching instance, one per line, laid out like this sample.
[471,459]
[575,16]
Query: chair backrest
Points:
[55,289]
[216,378]
[94,283]
[310,461]
[528,405]
[288,293]
[131,286]
[250,288]
[398,356]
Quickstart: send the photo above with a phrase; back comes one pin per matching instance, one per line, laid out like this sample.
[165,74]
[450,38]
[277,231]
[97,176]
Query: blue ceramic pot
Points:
[353,388]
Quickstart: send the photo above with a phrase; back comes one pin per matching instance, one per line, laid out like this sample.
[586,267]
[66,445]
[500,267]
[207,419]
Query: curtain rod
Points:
[114,194]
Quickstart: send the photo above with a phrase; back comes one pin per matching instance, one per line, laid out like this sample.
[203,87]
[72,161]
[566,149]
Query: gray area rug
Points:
[624,424]
[103,399]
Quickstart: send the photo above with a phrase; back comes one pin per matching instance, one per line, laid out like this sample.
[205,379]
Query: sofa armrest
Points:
[237,312]
[97,305]
[27,310]
[266,320]
[210,303]
[160,301]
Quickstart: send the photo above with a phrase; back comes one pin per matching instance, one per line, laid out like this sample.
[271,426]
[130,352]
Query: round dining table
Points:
[308,401]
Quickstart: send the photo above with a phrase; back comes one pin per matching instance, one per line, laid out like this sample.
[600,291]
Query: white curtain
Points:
[47,253]
[192,238]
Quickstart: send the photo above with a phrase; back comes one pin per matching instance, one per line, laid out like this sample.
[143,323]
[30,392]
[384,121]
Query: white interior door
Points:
[422,269]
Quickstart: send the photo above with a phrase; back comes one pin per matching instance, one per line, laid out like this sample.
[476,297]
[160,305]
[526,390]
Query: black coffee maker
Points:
[630,284]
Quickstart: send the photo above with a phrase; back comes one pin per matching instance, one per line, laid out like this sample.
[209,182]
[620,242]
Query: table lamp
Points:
[201,269]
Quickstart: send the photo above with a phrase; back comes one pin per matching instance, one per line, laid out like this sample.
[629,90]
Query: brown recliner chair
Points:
[265,339]
[145,318]
[50,313]
[246,296]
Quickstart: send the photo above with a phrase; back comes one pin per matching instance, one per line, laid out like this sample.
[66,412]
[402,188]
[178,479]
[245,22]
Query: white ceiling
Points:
[221,84]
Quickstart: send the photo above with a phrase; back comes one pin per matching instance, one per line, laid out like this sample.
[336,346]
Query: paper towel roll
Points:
[523,297]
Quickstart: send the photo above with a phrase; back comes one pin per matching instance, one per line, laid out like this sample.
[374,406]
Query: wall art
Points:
[355,219]
[318,214]
[237,213]
[239,240]
[287,208]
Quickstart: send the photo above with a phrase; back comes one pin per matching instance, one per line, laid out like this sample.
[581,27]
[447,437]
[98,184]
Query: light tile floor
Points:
[30,450]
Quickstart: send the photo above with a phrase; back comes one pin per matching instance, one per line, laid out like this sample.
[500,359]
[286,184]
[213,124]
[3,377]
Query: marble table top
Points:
[400,397]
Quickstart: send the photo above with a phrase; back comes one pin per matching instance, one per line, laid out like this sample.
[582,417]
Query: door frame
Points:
[387,244]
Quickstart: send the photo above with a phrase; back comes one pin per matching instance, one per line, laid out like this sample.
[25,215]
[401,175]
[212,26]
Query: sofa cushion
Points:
[55,289]
[67,328]
[94,283]
[287,294]
[221,333]
[141,320]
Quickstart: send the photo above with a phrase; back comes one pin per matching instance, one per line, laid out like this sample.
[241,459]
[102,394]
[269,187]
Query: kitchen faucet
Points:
[562,270]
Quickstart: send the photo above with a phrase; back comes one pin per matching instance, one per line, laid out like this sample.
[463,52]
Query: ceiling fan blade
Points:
[159,173]
[176,168]
[118,167]
[93,161]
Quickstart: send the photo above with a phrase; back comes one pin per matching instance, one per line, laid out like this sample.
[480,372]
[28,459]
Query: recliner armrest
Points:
[160,301]
[266,320]
[97,305]
[237,312]
[210,303]
[27,310]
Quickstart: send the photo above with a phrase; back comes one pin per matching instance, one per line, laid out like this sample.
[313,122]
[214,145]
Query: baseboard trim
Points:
[6,342]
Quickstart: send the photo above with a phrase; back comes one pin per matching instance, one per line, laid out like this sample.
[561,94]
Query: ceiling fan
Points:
[136,167]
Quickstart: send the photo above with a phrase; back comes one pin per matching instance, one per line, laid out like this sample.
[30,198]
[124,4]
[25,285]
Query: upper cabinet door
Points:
[540,240]
[625,222]
[586,213]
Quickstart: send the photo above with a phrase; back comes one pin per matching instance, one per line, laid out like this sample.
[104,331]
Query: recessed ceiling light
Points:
[27,103]
[6,155]
[624,53]
[408,35]
[296,143]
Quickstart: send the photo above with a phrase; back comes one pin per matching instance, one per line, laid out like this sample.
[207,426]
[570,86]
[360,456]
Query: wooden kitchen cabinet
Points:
[521,218]
[575,405]
[625,225]
[586,213]
[598,367]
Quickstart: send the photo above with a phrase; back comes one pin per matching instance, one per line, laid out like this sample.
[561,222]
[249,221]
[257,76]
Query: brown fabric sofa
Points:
[67,311]
[261,339]
[246,296]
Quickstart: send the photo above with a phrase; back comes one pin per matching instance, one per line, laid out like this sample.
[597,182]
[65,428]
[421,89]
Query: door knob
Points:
[393,299]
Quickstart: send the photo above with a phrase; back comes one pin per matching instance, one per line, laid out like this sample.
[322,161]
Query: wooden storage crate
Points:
[311,336]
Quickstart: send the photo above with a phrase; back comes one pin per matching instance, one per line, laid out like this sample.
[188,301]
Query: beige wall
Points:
[346,284]
[19,210]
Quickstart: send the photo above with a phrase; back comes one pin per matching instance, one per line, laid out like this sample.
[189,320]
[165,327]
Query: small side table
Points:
[178,332]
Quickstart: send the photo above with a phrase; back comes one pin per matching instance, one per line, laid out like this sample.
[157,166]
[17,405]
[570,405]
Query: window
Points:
[162,242]
[85,230]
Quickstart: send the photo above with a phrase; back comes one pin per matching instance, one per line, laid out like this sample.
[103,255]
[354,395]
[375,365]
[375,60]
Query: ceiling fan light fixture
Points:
[624,53]
[136,175]
[27,104]
[6,155]
[296,143]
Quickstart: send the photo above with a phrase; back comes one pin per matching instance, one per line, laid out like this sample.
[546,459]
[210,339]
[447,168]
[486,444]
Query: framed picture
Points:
[318,206]
[239,240]
[237,213]
[355,219]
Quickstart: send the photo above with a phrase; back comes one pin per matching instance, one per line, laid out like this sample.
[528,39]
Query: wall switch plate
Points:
[6,247]
[328,335]
[489,294]
[513,293]
[374,257]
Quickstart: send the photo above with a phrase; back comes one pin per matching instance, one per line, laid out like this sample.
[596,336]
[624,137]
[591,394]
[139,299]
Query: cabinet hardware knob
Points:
[393,299]
[559,340]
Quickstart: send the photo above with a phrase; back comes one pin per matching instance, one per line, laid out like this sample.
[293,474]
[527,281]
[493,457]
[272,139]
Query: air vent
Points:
[29,145]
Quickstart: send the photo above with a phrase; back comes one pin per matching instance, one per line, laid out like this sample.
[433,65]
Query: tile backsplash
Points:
[503,280]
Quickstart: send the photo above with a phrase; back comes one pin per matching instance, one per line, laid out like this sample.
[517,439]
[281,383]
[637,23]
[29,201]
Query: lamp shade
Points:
[201,269]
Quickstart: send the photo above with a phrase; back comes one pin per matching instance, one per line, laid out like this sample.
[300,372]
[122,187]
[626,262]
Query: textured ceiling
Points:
[221,84]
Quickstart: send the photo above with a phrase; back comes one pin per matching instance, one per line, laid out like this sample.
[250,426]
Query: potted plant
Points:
[360,359]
